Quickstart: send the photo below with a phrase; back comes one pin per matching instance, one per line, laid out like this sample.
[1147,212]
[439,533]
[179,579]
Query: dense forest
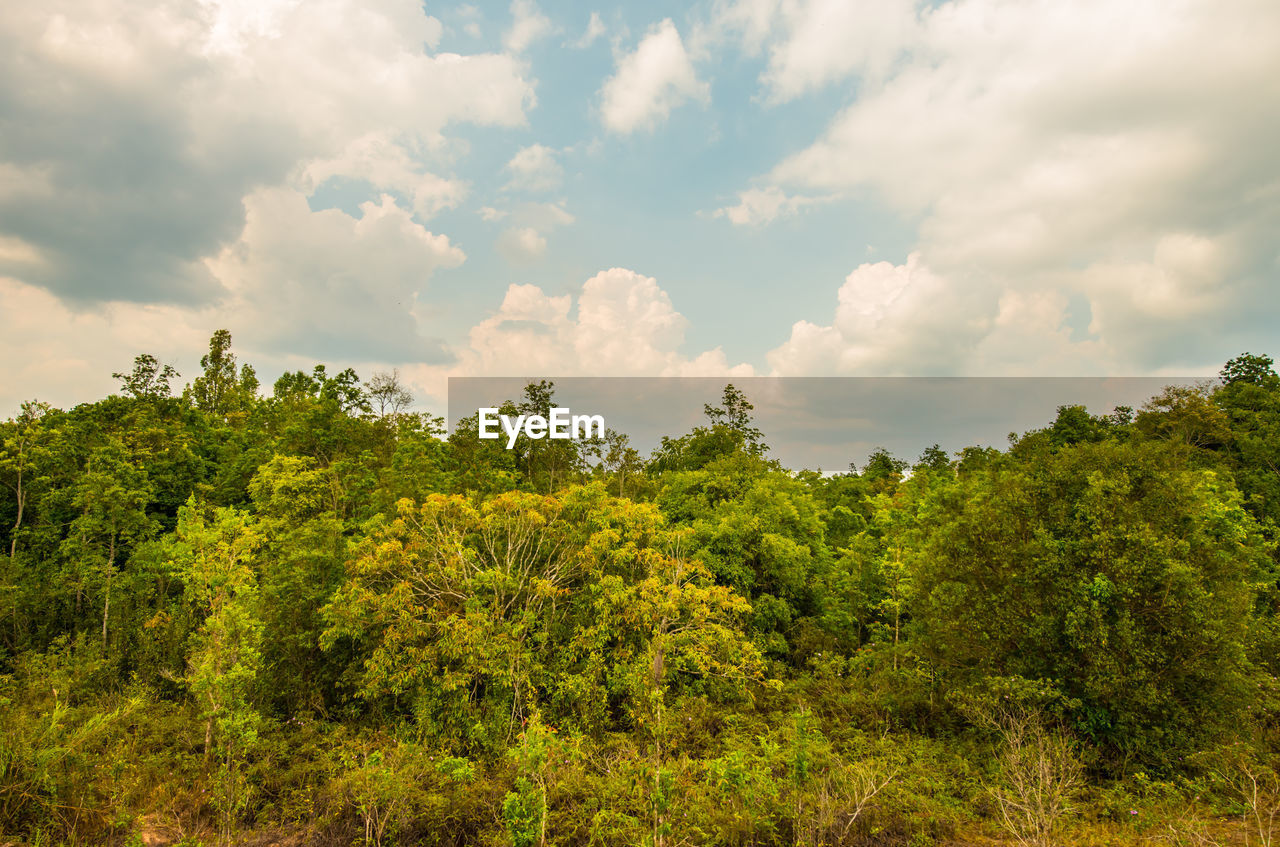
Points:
[312,616]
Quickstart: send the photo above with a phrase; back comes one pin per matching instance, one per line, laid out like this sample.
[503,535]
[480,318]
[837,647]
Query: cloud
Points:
[650,82]
[386,166]
[1166,312]
[64,356]
[133,130]
[528,24]
[1116,159]
[595,29]
[302,287]
[468,13]
[827,40]
[624,325]
[328,284]
[521,245]
[889,320]
[535,169]
[524,241]
[758,206]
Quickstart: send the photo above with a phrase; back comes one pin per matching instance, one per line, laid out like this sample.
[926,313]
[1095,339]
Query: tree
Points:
[675,621]
[387,395]
[1113,570]
[111,496]
[212,551]
[620,460]
[1039,776]
[548,464]
[758,531]
[882,467]
[935,460]
[1186,415]
[449,598]
[303,552]
[218,390]
[21,445]
[1255,370]
[149,380]
[734,414]
[1248,407]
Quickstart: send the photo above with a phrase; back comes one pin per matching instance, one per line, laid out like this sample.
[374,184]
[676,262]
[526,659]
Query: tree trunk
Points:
[13,540]
[106,604]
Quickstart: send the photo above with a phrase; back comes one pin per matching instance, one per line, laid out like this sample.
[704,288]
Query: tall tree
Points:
[387,394]
[111,496]
[213,550]
[149,380]
[219,390]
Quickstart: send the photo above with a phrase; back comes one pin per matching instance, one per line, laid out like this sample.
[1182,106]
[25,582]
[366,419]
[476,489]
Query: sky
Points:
[717,188]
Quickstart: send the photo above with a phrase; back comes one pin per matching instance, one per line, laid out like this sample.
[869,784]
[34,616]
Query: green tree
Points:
[23,443]
[448,599]
[213,551]
[671,625]
[1114,572]
[149,380]
[219,391]
[111,498]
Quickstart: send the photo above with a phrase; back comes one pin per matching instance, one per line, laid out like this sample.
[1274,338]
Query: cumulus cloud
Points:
[1050,154]
[625,325]
[328,284]
[132,131]
[528,24]
[1168,312]
[649,82]
[889,320]
[812,43]
[535,169]
[301,287]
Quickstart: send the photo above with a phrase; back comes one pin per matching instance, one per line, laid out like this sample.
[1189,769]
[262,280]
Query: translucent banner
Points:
[820,423]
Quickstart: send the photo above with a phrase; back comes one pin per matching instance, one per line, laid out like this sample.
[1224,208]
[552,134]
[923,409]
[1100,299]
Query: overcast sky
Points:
[767,187]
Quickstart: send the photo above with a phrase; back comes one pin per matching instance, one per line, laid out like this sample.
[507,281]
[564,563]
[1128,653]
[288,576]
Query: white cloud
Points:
[1062,124]
[812,43]
[595,29]
[650,82]
[528,24]
[534,168]
[66,356]
[388,167]
[625,325]
[751,22]
[301,287]
[524,241]
[1169,310]
[889,320]
[757,206]
[325,283]
[521,245]
[1116,158]
[193,106]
